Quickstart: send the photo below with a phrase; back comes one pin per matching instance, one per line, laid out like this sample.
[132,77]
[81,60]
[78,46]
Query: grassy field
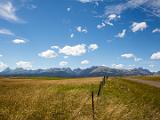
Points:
[152,78]
[70,99]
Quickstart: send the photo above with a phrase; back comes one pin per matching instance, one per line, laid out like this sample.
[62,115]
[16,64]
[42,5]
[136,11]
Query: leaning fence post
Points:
[104,80]
[100,86]
[93,106]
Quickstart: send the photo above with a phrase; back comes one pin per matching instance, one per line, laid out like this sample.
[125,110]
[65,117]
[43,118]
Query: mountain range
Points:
[68,72]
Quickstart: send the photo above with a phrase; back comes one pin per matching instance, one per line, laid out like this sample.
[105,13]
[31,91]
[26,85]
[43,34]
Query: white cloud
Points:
[118,66]
[128,56]
[89,1]
[131,56]
[76,50]
[48,54]
[63,63]
[1,55]
[8,11]
[139,26]
[156,30]
[155,56]
[3,66]
[93,47]
[19,41]
[72,35]
[110,18]
[4,31]
[121,34]
[100,26]
[80,29]
[113,17]
[68,9]
[55,47]
[24,64]
[85,62]
[109,23]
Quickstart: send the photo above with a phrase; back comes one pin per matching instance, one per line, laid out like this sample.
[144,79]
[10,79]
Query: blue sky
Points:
[80,33]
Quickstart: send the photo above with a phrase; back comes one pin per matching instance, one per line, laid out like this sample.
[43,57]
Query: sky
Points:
[123,34]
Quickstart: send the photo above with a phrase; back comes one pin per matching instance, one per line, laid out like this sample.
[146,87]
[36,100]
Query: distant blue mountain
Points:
[68,72]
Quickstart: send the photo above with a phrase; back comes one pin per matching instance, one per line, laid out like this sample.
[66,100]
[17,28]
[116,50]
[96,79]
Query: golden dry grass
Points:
[70,99]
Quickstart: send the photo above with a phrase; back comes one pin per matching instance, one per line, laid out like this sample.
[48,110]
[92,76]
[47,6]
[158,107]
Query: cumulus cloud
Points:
[155,56]
[84,62]
[156,30]
[76,50]
[63,63]
[48,54]
[19,41]
[139,26]
[4,31]
[72,35]
[121,34]
[3,66]
[118,66]
[93,47]
[24,64]
[80,29]
[8,12]
[130,56]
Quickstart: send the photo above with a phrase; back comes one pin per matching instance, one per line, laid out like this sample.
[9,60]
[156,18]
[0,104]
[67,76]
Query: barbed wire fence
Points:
[90,101]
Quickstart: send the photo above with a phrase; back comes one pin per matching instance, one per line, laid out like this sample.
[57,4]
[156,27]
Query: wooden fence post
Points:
[104,80]
[100,86]
[93,106]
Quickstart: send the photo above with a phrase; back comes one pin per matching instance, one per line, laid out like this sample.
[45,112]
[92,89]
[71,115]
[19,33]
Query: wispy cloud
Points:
[150,6]
[89,1]
[122,34]
[8,12]
[4,31]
